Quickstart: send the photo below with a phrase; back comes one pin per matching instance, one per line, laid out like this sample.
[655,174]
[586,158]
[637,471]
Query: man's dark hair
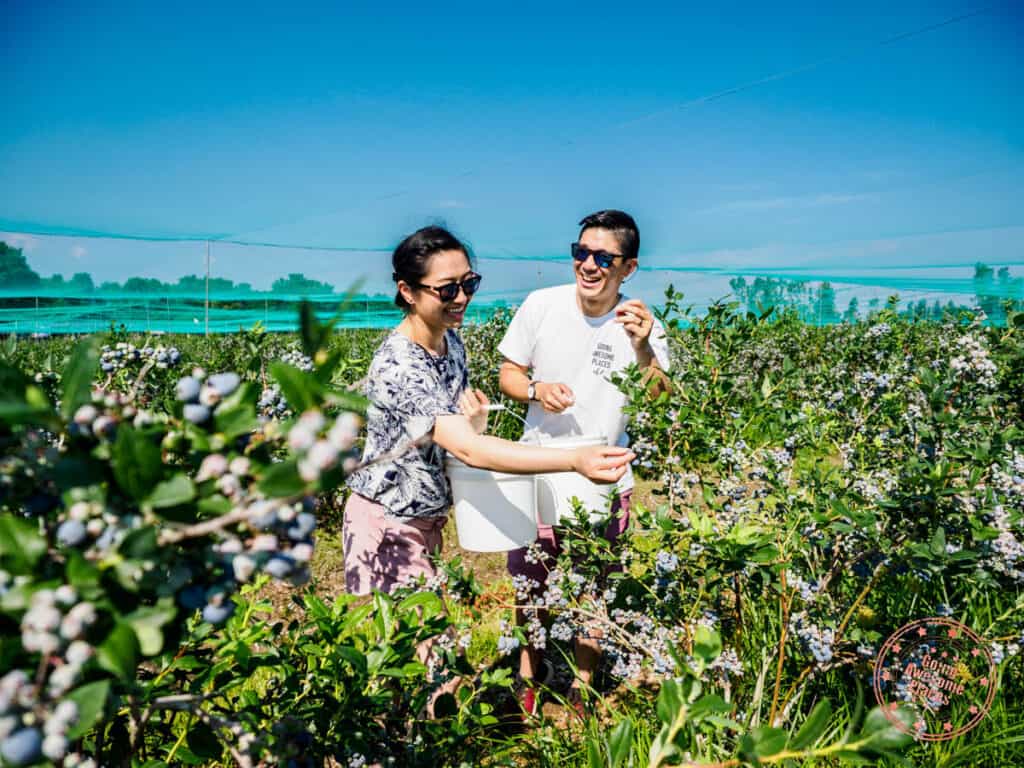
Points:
[618,223]
[411,259]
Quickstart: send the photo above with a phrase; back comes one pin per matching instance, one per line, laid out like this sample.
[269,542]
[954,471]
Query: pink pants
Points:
[382,552]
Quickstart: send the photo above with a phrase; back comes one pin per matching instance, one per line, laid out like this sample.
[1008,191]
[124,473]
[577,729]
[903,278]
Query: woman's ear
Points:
[407,292]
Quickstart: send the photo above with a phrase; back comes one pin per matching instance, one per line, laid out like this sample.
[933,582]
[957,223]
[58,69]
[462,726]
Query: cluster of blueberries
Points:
[124,354]
[817,640]
[201,393]
[35,719]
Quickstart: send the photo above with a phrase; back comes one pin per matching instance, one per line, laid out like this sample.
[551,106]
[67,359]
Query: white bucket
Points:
[494,511]
[555,490]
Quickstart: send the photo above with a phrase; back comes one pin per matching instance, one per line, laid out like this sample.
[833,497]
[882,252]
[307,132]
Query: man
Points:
[560,350]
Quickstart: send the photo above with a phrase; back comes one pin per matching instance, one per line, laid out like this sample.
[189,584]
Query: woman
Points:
[418,385]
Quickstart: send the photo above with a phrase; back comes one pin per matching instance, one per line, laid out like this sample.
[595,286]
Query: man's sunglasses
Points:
[450,291]
[603,259]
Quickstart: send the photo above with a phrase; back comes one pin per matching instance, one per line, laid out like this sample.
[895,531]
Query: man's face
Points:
[601,284]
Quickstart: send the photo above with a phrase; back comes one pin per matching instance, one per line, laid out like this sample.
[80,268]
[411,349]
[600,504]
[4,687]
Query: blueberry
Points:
[22,747]
[302,527]
[279,567]
[187,389]
[71,533]
[196,413]
[224,383]
[192,597]
[218,614]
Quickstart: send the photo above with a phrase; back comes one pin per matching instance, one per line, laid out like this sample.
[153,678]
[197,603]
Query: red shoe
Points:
[575,700]
[529,703]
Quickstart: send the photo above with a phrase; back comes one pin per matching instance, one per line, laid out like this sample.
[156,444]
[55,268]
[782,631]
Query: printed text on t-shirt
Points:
[602,359]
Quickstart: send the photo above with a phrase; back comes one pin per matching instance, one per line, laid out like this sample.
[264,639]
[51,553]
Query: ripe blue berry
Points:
[218,614]
[187,389]
[196,413]
[224,383]
[22,747]
[71,533]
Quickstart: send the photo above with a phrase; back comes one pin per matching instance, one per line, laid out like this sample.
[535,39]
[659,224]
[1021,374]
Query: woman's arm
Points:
[602,464]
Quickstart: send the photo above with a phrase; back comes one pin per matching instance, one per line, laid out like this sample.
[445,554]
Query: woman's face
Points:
[443,268]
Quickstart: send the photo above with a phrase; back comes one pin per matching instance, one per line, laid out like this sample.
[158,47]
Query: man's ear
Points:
[634,265]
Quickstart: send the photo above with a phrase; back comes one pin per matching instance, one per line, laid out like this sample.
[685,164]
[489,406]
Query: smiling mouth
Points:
[591,281]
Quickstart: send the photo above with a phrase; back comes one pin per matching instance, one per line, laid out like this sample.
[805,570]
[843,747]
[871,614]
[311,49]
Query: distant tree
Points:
[299,283]
[110,286]
[190,284]
[850,315]
[14,269]
[825,311]
[81,282]
[143,285]
[54,282]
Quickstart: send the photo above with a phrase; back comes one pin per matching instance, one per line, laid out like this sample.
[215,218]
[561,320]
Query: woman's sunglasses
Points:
[603,259]
[450,291]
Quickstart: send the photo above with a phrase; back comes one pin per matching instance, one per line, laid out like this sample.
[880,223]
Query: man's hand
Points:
[637,320]
[554,397]
[473,404]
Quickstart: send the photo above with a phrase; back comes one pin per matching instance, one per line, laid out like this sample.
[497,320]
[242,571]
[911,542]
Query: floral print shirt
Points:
[408,389]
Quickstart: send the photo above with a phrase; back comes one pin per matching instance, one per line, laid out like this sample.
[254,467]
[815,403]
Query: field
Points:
[171,589]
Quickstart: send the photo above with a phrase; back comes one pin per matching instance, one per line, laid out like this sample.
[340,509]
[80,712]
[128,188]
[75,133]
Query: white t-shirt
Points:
[550,334]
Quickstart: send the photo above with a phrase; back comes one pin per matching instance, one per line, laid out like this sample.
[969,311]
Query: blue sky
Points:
[348,124]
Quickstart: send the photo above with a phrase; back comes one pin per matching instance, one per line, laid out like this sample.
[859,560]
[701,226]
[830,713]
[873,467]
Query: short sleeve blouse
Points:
[408,388]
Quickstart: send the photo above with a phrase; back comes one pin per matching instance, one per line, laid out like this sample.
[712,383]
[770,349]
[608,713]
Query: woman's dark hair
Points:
[619,224]
[411,258]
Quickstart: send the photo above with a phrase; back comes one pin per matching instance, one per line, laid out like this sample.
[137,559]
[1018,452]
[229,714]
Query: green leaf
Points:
[620,742]
[202,741]
[670,701]
[594,757]
[77,377]
[21,545]
[147,623]
[90,699]
[236,415]
[707,645]
[762,742]
[709,704]
[117,654]
[422,600]
[882,734]
[170,493]
[938,542]
[813,726]
[137,462]
[81,574]
[282,480]
[140,544]
[301,390]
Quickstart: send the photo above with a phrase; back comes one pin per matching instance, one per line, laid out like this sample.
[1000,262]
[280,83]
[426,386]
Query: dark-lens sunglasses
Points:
[450,291]
[603,259]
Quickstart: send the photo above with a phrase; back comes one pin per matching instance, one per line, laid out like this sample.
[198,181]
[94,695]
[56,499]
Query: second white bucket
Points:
[494,512]
[556,489]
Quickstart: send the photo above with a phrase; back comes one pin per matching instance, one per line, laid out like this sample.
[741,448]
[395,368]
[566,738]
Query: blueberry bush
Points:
[803,492]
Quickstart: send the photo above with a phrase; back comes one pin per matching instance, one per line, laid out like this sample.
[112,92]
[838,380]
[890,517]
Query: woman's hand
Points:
[602,463]
[473,404]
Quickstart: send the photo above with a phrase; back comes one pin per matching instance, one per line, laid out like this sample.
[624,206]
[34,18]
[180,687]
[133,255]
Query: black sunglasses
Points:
[603,259]
[449,291]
